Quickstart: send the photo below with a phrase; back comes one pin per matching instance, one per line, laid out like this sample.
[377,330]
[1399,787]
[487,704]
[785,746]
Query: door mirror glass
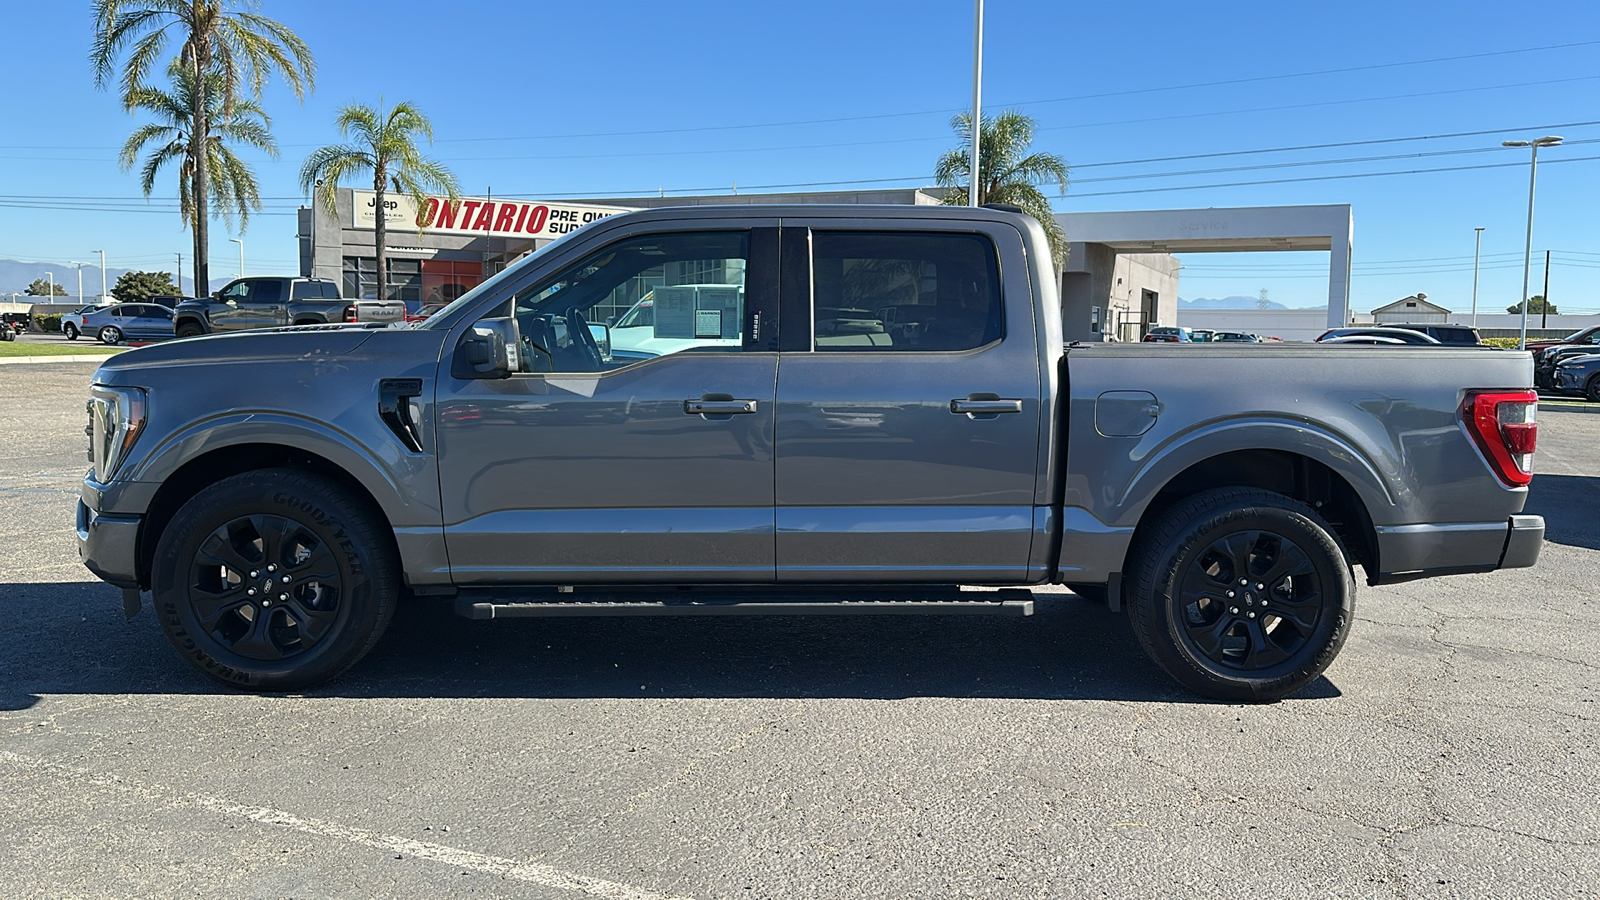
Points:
[491,349]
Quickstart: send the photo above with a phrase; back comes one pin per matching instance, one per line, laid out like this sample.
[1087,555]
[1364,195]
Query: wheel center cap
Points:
[1249,598]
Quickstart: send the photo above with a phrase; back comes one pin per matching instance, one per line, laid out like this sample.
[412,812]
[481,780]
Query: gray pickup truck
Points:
[261,302]
[875,414]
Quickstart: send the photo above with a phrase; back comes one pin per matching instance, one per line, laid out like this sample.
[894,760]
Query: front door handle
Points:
[985,406]
[718,405]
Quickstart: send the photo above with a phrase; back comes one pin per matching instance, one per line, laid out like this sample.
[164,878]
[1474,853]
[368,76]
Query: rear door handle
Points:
[718,405]
[984,405]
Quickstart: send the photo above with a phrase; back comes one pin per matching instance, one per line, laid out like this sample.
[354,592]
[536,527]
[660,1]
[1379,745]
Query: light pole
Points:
[1477,246]
[80,279]
[977,100]
[103,292]
[240,242]
[1527,250]
[52,294]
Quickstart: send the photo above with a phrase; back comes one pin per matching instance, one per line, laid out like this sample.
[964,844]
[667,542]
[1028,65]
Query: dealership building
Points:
[1120,279]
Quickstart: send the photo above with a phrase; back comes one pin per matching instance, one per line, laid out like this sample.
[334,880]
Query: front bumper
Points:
[1408,552]
[109,546]
[1567,380]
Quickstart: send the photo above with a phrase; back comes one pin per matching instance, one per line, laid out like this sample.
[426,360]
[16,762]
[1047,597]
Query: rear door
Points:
[908,404]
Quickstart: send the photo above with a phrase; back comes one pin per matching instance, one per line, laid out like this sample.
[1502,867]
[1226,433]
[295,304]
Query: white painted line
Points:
[63,358]
[499,866]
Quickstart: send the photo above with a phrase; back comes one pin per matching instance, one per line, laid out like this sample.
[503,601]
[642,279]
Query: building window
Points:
[361,279]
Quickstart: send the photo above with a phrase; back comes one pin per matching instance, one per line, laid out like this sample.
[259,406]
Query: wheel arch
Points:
[183,319]
[192,475]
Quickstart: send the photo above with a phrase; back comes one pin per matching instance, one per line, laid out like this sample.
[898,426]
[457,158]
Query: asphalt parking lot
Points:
[1451,750]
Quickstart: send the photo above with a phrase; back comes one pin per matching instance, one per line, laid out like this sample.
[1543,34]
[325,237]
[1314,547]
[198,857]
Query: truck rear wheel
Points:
[274,580]
[1241,594]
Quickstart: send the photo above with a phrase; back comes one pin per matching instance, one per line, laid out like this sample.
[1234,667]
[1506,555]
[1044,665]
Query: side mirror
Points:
[491,349]
[611,321]
[602,339]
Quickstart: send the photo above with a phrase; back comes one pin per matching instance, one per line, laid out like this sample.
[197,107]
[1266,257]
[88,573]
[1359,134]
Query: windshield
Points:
[643,314]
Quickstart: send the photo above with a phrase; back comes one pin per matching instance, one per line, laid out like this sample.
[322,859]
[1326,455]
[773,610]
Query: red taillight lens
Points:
[1504,425]
[350,313]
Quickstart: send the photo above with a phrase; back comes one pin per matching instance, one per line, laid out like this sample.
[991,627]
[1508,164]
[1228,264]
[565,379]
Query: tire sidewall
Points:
[367,596]
[1164,627]
[1591,391]
[110,335]
[71,332]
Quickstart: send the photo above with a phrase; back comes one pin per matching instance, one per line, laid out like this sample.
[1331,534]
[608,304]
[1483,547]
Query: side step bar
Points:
[1002,603]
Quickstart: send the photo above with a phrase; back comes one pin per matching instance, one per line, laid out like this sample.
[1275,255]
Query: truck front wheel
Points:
[190,329]
[274,580]
[1241,594]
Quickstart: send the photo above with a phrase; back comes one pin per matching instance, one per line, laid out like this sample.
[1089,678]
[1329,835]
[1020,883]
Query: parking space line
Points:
[499,866]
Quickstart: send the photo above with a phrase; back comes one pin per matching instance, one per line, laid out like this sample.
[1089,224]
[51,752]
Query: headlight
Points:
[116,417]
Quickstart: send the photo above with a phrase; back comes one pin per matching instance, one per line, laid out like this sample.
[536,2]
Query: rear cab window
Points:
[905,291]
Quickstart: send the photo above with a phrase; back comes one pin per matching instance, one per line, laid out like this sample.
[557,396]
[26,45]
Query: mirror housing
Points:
[492,348]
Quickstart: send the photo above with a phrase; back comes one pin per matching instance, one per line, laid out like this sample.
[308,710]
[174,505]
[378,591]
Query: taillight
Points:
[350,313]
[1504,425]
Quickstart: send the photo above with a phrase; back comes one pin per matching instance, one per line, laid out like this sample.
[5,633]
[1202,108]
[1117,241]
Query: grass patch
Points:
[19,348]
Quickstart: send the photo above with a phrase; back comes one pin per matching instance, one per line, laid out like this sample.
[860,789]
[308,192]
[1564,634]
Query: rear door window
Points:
[266,292]
[904,291]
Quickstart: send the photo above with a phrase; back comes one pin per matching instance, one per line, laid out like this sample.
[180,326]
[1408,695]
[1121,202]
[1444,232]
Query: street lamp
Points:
[1475,248]
[103,275]
[80,278]
[52,294]
[1527,251]
[977,96]
[240,242]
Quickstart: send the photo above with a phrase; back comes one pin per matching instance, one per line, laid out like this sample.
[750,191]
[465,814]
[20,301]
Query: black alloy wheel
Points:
[1241,594]
[265,587]
[1592,389]
[275,579]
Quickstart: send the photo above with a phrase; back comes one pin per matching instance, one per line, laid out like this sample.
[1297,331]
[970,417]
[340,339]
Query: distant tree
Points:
[384,144]
[1007,172]
[41,288]
[133,287]
[1536,305]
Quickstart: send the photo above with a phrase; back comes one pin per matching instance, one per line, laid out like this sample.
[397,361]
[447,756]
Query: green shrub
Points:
[1505,343]
[48,323]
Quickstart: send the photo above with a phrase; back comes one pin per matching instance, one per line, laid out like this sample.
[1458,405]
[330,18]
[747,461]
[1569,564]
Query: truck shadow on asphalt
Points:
[72,639]
[1570,505]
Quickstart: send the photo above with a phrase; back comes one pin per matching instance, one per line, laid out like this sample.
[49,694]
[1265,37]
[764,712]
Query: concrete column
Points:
[1339,275]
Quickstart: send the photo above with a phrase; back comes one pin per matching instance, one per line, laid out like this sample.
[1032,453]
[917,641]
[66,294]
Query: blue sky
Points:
[544,100]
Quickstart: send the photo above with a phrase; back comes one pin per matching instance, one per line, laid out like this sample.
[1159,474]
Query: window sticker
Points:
[708,323]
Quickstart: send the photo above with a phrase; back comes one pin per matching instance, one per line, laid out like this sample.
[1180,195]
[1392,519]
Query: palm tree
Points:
[1008,173]
[239,47]
[232,184]
[386,146]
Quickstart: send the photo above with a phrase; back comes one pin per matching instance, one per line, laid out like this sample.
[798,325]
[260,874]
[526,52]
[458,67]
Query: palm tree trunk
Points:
[199,142]
[380,220]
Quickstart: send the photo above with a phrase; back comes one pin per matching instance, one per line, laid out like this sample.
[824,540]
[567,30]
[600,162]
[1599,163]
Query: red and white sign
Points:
[477,216]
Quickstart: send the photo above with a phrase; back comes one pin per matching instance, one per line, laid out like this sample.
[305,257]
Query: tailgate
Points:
[380,311]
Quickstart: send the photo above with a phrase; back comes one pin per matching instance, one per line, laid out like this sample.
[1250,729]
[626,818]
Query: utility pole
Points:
[1475,248]
[80,280]
[103,292]
[1544,314]
[52,294]
[977,100]
[180,271]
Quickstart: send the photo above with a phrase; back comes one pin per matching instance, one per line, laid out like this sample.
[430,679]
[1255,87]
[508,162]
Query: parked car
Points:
[1585,336]
[1395,335]
[490,459]
[72,322]
[1451,335]
[1365,339]
[262,302]
[423,311]
[1166,334]
[1202,335]
[129,322]
[1546,360]
[7,331]
[1579,375]
[1235,337]
[637,333]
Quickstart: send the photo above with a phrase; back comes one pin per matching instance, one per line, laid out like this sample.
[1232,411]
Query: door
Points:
[251,303]
[649,466]
[908,406]
[153,322]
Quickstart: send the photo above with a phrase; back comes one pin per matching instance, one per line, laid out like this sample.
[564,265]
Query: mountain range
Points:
[15,276]
[1232,302]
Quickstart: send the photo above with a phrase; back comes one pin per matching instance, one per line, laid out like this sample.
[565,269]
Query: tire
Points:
[190,329]
[1591,391]
[219,589]
[110,334]
[1233,641]
[70,330]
